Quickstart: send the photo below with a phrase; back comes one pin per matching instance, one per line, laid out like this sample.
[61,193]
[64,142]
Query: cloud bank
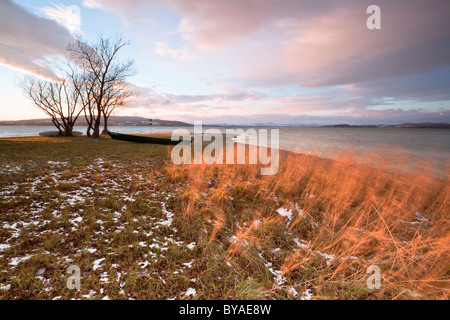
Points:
[318,43]
[28,42]
[67,16]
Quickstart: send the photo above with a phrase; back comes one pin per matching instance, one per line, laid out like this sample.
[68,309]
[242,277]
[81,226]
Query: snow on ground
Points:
[15,261]
[190,292]
[72,191]
[7,169]
[61,194]
[278,278]
[97,263]
[4,247]
[5,287]
[285,213]
[169,216]
[306,295]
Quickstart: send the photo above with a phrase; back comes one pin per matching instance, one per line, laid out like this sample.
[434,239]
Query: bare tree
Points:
[104,78]
[57,97]
[117,96]
[85,87]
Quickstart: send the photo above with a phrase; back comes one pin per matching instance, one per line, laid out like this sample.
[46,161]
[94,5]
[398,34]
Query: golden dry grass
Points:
[346,216]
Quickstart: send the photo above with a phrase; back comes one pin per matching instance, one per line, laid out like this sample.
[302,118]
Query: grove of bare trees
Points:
[91,80]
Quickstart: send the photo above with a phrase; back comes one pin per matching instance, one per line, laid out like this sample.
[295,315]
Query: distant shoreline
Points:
[400,126]
[114,121]
[121,121]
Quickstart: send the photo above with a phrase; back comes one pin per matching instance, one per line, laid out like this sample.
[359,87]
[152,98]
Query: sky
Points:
[247,61]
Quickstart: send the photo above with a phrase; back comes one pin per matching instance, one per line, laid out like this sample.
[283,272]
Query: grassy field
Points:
[139,227]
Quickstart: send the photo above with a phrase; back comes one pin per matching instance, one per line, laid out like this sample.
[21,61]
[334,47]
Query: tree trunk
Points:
[89,120]
[96,134]
[68,131]
[89,123]
[97,121]
[96,128]
[105,124]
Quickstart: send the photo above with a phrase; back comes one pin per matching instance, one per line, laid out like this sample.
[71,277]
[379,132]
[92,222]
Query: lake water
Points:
[432,145]
[424,150]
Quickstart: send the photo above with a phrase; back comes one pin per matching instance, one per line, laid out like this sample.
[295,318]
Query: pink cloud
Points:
[322,43]
[183,53]
[313,43]
[67,16]
[212,24]
[216,23]
[336,48]
[27,41]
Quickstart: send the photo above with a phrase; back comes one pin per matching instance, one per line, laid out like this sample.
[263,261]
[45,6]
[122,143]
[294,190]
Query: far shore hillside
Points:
[113,121]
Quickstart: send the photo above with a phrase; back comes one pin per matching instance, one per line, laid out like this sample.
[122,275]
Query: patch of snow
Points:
[190,292]
[169,216]
[10,169]
[278,278]
[16,261]
[302,244]
[191,246]
[104,277]
[142,244]
[293,292]
[127,198]
[12,228]
[74,199]
[97,263]
[76,220]
[89,295]
[4,247]
[5,287]
[189,264]
[328,257]
[306,295]
[148,234]
[285,213]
